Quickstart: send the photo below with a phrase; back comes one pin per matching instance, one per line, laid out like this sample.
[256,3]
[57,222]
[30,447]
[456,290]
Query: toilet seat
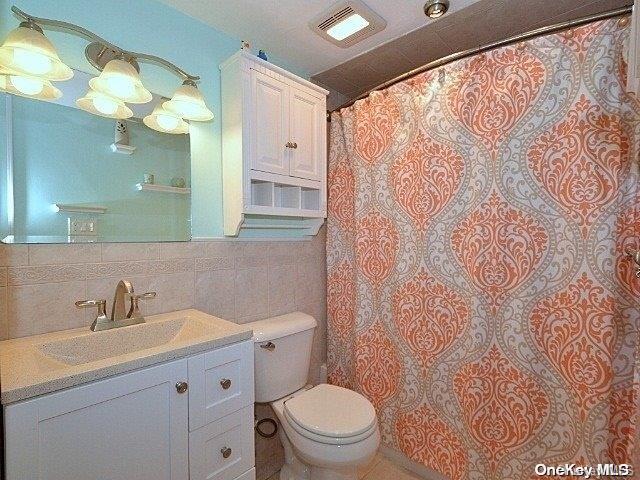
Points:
[331,415]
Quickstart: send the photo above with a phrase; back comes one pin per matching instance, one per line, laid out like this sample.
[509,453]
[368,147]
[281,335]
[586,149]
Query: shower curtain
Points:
[478,291]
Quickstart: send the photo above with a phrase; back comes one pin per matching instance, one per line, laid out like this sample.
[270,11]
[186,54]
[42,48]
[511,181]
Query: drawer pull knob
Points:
[268,346]
[226,452]
[182,387]
[225,383]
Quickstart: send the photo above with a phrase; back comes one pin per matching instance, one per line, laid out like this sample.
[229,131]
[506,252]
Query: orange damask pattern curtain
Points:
[478,293]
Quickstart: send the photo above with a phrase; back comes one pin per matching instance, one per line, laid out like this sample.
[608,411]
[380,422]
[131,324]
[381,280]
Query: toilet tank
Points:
[282,354]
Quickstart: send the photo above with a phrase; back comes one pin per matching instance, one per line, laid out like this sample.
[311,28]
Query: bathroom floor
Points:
[380,468]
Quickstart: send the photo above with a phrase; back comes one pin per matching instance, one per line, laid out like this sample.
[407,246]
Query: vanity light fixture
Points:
[30,87]
[436,8]
[26,51]
[99,103]
[120,79]
[188,102]
[28,64]
[165,121]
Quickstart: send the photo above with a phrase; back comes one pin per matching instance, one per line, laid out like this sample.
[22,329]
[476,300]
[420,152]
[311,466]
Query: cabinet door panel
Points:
[231,436]
[131,426]
[270,124]
[306,131]
[210,373]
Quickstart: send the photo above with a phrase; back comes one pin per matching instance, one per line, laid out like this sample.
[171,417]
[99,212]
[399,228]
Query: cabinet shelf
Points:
[273,149]
[73,208]
[275,198]
[152,187]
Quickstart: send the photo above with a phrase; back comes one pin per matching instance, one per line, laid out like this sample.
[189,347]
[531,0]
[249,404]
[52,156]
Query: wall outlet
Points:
[83,227]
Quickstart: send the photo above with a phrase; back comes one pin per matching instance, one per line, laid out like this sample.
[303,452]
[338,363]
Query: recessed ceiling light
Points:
[436,8]
[347,27]
[347,22]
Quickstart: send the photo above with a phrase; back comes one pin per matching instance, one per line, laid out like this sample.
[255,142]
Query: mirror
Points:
[76,177]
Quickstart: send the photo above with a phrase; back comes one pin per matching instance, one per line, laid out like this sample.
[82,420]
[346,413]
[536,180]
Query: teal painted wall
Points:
[62,155]
[152,27]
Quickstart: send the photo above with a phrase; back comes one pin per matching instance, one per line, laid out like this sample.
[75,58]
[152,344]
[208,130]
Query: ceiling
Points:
[410,39]
[482,23]
[280,26]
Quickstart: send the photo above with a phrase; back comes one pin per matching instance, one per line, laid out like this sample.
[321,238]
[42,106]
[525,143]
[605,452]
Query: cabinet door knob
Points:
[182,387]
[268,346]
[226,452]
[294,145]
[226,383]
[289,145]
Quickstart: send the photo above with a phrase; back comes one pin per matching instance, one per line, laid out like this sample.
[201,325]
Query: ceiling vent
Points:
[347,23]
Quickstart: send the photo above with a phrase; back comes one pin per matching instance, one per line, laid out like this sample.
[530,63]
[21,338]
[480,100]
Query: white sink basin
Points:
[32,366]
[93,346]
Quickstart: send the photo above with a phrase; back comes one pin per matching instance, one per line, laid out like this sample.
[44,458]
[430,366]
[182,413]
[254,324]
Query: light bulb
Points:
[32,62]
[105,105]
[26,85]
[167,122]
[187,109]
[120,87]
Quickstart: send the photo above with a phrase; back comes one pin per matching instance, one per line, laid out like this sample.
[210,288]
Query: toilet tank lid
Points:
[281,326]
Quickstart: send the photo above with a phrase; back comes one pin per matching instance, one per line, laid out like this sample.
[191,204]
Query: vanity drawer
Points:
[223,450]
[221,382]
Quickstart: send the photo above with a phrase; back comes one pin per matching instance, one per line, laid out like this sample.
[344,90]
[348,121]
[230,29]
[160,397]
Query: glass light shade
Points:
[120,80]
[30,87]
[29,53]
[188,103]
[104,105]
[164,121]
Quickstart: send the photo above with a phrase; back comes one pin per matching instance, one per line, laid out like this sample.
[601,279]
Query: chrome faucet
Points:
[120,316]
[117,310]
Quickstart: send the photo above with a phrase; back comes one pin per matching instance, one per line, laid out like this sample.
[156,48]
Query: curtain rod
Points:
[490,46]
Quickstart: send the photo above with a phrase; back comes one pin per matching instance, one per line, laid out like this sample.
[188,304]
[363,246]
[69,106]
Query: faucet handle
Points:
[101,305]
[91,303]
[134,311]
[143,296]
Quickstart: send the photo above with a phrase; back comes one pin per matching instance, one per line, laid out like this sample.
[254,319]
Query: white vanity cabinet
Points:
[141,425]
[274,146]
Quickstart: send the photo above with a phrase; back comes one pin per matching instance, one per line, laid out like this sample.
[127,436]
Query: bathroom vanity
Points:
[169,399]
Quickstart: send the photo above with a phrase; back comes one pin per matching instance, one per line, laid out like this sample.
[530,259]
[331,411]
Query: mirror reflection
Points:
[76,177]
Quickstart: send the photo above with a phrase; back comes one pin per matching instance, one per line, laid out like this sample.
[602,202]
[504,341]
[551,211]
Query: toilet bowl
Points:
[328,432]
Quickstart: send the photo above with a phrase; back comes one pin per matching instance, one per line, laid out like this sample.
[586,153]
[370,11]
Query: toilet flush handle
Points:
[268,346]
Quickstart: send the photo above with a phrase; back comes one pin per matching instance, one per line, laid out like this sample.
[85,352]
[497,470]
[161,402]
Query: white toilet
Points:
[328,431]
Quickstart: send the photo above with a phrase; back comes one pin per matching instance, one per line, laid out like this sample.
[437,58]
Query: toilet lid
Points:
[331,411]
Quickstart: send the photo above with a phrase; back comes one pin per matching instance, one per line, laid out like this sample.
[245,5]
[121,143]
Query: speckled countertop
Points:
[33,366]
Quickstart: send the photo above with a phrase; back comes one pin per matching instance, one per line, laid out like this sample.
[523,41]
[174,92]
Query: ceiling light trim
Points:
[436,8]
